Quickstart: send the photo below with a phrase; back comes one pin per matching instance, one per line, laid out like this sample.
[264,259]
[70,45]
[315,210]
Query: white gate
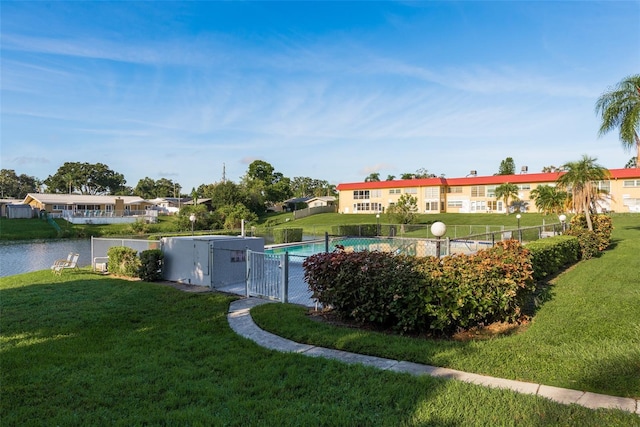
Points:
[267,275]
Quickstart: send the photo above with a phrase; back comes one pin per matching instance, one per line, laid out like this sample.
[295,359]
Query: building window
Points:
[395,191]
[62,207]
[431,192]
[360,207]
[361,194]
[411,191]
[494,205]
[454,203]
[480,206]
[376,193]
[376,207]
[454,189]
[491,190]
[432,206]
[524,187]
[631,183]
[478,191]
[603,186]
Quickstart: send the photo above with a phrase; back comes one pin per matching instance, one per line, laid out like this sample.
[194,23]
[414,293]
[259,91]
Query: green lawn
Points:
[587,337]
[85,349]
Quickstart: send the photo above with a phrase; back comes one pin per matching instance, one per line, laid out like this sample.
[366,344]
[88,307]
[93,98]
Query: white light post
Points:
[438,229]
[192,218]
[562,219]
[378,224]
[519,231]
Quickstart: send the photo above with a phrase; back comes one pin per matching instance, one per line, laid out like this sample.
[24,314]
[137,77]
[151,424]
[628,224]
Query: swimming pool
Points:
[351,244]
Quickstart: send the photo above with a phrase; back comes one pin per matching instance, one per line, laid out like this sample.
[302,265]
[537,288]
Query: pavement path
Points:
[240,320]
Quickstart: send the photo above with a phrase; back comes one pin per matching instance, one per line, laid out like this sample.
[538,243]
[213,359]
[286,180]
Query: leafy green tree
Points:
[148,188]
[373,177]
[404,211]
[619,108]
[264,186]
[580,181]
[390,177]
[16,186]
[507,167]
[304,186]
[85,178]
[232,216]
[549,199]
[423,173]
[222,193]
[506,192]
[203,219]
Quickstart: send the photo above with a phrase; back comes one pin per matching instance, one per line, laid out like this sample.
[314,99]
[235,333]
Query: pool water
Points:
[350,244]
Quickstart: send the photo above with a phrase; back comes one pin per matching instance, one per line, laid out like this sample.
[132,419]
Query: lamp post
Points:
[438,229]
[519,231]
[378,224]
[192,218]
[562,219]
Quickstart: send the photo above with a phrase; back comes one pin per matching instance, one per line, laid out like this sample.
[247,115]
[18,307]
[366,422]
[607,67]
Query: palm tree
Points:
[505,192]
[549,199]
[620,108]
[580,179]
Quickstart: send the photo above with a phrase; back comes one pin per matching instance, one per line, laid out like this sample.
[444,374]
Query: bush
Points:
[123,261]
[151,262]
[588,242]
[418,294]
[602,228]
[287,235]
[361,230]
[550,255]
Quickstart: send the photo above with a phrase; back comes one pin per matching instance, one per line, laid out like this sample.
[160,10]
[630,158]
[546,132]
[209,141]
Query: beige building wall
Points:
[477,194]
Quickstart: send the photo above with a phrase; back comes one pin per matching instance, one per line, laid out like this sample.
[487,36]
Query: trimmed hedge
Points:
[287,235]
[550,255]
[412,295]
[361,230]
[592,242]
[123,261]
[151,262]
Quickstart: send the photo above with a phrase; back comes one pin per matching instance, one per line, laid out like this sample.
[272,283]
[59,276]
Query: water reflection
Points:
[25,256]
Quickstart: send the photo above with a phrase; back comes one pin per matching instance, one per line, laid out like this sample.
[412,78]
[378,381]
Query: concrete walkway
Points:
[240,320]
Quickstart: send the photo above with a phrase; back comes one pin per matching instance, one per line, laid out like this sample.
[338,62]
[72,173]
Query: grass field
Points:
[587,337]
[85,349]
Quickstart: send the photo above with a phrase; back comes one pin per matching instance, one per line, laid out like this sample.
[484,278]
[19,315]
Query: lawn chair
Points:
[60,262]
[58,269]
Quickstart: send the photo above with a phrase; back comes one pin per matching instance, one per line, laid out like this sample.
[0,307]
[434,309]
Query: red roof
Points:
[477,180]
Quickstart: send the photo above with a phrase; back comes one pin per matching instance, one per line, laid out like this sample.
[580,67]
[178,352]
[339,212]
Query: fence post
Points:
[326,241]
[285,277]
[246,282]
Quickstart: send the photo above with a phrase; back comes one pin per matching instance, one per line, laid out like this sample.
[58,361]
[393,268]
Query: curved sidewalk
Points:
[240,320]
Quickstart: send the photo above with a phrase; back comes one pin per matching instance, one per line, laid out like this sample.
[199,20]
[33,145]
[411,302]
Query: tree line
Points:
[262,186]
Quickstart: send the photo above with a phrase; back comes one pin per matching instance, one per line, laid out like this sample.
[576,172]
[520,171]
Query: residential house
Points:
[92,209]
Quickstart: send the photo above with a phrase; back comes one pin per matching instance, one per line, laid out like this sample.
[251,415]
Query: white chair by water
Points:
[73,263]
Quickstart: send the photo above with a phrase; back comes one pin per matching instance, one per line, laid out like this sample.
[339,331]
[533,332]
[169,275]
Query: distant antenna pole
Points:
[224,173]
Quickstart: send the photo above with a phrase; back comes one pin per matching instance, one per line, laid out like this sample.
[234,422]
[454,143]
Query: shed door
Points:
[201,274]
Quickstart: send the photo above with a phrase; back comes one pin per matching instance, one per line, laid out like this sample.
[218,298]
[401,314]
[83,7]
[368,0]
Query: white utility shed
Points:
[213,261]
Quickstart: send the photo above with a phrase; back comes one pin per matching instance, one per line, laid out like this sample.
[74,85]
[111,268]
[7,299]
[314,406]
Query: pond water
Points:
[33,255]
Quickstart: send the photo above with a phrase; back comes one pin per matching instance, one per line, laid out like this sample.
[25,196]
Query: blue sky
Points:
[329,90]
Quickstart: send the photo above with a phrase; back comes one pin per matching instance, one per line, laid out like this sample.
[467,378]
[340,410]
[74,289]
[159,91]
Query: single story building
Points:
[92,209]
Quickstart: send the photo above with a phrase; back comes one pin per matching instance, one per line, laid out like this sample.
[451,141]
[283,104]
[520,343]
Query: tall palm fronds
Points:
[620,108]
[549,199]
[505,192]
[580,180]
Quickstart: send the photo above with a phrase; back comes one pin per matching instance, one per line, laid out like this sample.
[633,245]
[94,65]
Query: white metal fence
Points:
[100,246]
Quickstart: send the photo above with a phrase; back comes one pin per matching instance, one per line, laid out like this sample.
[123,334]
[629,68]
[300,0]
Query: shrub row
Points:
[413,295]
[550,255]
[287,235]
[591,242]
[124,261]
